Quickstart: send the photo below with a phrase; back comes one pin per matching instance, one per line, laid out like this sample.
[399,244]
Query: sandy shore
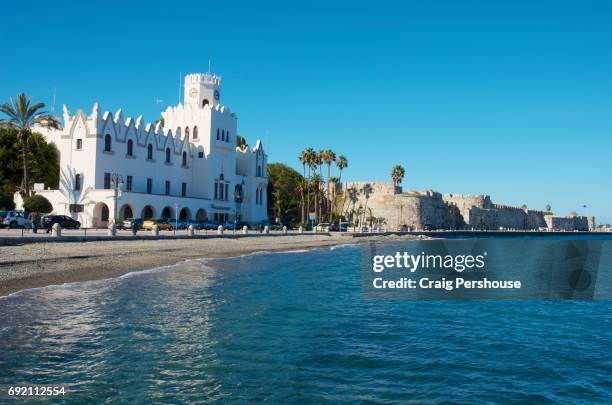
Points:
[42,264]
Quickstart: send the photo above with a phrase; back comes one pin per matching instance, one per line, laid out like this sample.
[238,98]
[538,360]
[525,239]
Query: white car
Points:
[15,219]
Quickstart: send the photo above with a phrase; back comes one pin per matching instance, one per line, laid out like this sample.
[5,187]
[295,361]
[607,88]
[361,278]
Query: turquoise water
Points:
[292,327]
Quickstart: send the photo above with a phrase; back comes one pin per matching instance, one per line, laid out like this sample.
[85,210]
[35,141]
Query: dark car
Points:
[64,221]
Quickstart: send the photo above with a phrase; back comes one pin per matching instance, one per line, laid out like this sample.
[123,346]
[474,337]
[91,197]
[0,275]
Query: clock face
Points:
[217,95]
[193,93]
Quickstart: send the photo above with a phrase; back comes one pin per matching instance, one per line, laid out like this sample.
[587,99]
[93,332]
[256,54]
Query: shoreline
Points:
[43,264]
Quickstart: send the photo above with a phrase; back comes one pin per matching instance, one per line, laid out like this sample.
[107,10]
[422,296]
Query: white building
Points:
[188,166]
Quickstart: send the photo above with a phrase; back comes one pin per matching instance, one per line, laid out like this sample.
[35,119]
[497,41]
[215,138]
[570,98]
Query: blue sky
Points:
[513,99]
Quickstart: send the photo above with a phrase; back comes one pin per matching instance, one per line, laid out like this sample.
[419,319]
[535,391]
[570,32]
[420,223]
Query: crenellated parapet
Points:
[122,128]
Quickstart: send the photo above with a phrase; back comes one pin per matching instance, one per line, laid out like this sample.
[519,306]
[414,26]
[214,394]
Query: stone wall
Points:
[431,210]
[570,223]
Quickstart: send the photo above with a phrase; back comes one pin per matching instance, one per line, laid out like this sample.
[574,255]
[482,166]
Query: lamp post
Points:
[117,182]
[176,207]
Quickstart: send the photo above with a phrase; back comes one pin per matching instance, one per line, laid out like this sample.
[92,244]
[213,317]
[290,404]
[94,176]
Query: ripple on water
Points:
[287,327]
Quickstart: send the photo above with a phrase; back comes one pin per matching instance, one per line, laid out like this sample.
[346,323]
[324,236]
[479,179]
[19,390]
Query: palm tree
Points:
[22,116]
[341,164]
[241,142]
[316,164]
[366,191]
[397,175]
[328,156]
[332,201]
[307,157]
[316,181]
[303,158]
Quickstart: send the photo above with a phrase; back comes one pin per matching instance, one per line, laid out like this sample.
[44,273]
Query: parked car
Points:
[128,222]
[64,221]
[343,227]
[230,226]
[208,225]
[196,225]
[322,227]
[14,219]
[164,224]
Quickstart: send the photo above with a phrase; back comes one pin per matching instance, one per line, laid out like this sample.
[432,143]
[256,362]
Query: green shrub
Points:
[37,203]
[6,201]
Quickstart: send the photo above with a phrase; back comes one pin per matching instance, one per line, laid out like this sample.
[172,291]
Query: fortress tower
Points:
[202,89]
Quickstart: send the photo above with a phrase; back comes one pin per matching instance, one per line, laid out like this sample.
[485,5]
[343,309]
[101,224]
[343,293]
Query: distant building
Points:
[188,164]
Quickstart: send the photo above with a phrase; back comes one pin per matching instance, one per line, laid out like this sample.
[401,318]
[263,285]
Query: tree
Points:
[307,158]
[6,198]
[283,201]
[367,190]
[341,164]
[397,175]
[43,161]
[22,116]
[328,156]
[37,203]
[241,142]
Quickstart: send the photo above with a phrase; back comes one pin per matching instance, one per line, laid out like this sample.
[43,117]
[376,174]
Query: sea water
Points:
[293,327]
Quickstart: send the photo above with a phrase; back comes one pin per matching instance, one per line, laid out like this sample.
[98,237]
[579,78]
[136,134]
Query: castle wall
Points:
[570,223]
[432,210]
[417,210]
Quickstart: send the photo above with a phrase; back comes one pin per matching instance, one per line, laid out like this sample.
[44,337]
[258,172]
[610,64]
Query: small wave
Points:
[201,261]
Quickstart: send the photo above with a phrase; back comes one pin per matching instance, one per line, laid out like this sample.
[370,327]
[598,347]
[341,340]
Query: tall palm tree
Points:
[341,164]
[316,188]
[397,175]
[367,190]
[316,164]
[332,201]
[22,115]
[307,156]
[303,158]
[328,156]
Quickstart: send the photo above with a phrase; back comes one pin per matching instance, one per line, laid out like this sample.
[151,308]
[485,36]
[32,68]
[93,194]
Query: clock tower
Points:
[202,89]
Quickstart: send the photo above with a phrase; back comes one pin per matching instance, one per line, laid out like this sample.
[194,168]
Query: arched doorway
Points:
[126,212]
[148,212]
[185,214]
[101,215]
[201,215]
[167,213]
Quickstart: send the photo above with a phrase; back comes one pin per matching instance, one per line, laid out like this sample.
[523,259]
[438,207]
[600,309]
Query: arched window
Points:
[150,152]
[167,155]
[77,182]
[184,158]
[217,134]
[204,102]
[223,135]
[186,131]
[195,132]
[130,148]
[227,136]
[107,143]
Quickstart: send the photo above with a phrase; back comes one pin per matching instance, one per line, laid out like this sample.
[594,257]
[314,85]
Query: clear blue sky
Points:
[513,99]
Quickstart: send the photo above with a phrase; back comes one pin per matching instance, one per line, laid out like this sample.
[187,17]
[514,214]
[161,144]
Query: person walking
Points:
[33,217]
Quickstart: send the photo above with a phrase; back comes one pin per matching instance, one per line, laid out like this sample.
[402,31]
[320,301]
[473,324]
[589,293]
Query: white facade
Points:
[190,165]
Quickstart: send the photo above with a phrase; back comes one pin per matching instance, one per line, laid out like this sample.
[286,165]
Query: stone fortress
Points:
[430,210]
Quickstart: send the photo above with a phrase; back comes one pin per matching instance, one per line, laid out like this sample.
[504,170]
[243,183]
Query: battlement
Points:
[194,78]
